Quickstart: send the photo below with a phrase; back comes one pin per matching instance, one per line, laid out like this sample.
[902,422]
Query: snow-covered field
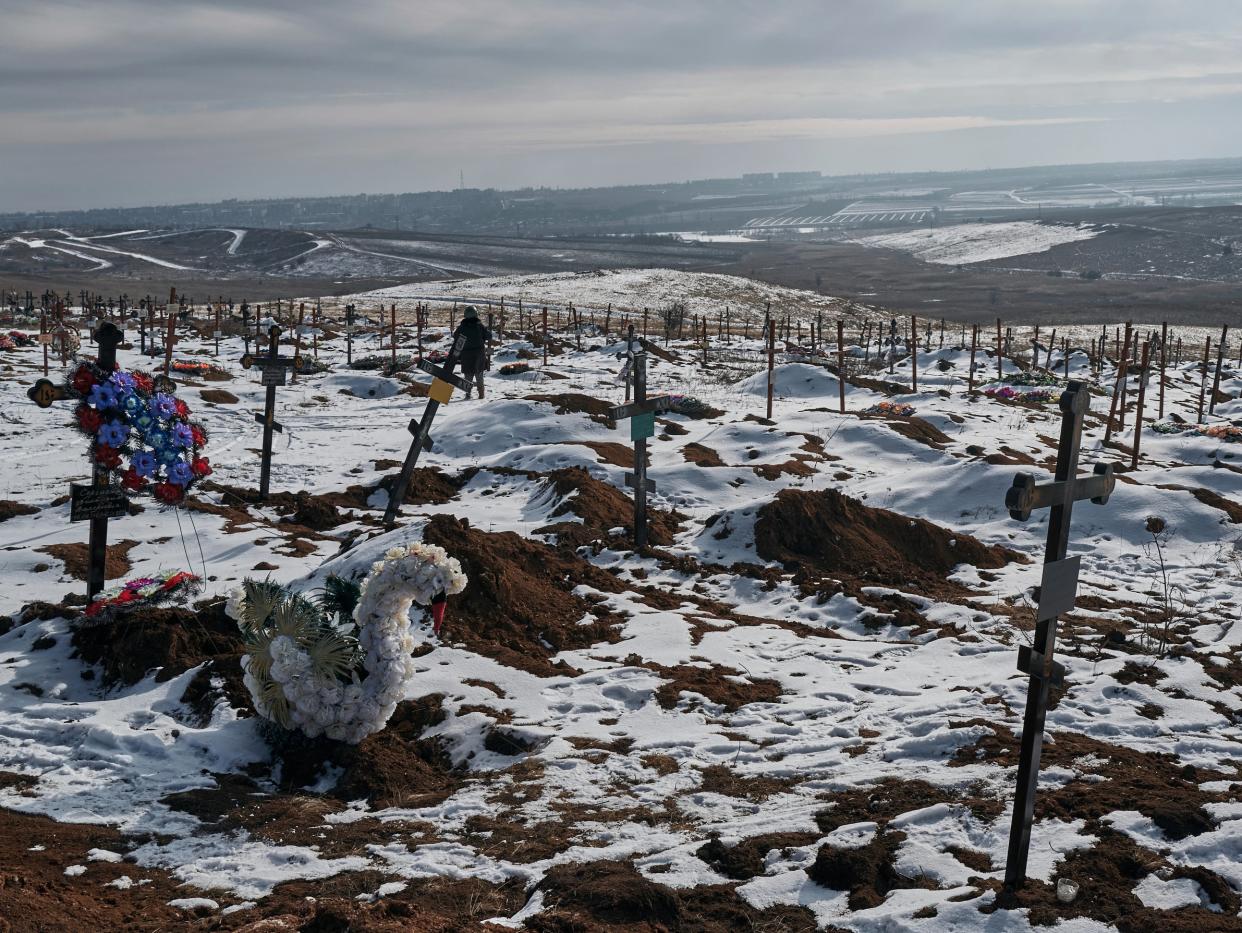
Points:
[961,244]
[746,728]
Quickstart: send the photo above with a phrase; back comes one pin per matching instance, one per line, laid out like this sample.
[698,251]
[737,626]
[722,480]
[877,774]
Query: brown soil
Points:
[744,860]
[219,397]
[881,802]
[602,507]
[609,897]
[795,466]
[574,403]
[170,639]
[701,456]
[427,486]
[720,779]
[10,509]
[76,558]
[611,452]
[827,532]
[721,685]
[520,597]
[866,872]
[914,428]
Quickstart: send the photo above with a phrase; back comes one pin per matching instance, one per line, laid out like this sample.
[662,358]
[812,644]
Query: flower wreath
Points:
[163,587]
[305,673]
[143,435]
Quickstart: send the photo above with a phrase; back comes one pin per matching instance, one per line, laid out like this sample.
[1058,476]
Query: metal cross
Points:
[641,414]
[1054,597]
[441,391]
[273,370]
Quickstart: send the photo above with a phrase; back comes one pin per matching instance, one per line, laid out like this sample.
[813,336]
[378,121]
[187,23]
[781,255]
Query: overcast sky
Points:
[130,102]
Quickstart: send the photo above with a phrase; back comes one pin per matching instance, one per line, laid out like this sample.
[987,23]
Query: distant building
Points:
[798,176]
[758,178]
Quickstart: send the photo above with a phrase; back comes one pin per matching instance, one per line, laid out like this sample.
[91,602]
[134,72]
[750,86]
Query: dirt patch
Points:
[602,507]
[575,403]
[720,779]
[76,558]
[701,456]
[866,872]
[795,466]
[915,428]
[10,509]
[611,452]
[427,486]
[827,532]
[744,860]
[879,803]
[723,686]
[170,639]
[519,608]
[613,896]
[219,397]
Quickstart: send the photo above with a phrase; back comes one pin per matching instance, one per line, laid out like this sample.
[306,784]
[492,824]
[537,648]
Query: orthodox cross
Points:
[1054,597]
[442,385]
[641,414]
[273,372]
[99,501]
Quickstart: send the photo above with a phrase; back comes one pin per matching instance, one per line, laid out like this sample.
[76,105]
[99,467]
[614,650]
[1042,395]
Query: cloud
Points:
[209,83]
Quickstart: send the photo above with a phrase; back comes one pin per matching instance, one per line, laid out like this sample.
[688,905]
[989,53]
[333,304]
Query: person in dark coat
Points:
[474,361]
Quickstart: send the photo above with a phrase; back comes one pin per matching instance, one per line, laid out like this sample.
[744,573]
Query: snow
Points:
[862,698]
[961,244]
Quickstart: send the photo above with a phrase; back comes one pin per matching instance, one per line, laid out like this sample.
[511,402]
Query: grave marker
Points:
[641,414]
[442,385]
[273,372]
[1054,596]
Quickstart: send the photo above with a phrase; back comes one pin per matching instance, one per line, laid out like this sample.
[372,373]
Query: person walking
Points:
[474,361]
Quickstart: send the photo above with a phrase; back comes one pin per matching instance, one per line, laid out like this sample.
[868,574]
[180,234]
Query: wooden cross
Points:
[1054,597]
[641,414]
[99,501]
[442,385]
[273,370]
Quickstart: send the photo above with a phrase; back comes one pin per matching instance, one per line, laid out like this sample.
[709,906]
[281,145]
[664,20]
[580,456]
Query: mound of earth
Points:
[520,608]
[602,507]
[566,403]
[76,557]
[10,509]
[219,397]
[829,533]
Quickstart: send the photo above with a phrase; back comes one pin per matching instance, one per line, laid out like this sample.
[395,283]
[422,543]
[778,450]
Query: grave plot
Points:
[460,691]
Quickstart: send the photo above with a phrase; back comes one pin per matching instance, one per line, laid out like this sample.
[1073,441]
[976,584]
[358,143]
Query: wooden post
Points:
[216,333]
[392,338]
[545,335]
[44,337]
[1123,363]
[297,339]
[841,360]
[109,337]
[1207,350]
[1164,359]
[1138,412]
[974,342]
[1220,361]
[771,361]
[169,338]
[914,353]
[1000,374]
[315,328]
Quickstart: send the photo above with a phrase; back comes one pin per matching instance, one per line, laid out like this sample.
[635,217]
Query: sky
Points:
[130,102]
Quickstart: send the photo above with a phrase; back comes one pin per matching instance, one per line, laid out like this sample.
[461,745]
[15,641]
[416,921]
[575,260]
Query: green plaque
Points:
[642,426]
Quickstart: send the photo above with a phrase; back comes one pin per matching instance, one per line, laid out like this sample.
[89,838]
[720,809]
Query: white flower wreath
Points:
[303,672]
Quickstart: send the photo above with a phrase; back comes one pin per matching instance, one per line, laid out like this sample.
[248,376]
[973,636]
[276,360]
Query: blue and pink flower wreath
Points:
[143,435]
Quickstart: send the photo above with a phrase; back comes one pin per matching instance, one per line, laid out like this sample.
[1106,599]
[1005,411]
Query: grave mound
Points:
[520,608]
[602,507]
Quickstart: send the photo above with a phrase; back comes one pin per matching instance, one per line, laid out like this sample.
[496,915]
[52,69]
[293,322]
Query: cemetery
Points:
[703,619]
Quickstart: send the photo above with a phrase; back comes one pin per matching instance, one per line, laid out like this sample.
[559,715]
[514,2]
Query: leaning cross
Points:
[641,414]
[1054,596]
[273,370]
[442,385]
[99,501]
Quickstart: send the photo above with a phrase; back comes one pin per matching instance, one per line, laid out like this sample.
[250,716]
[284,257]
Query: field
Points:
[796,710]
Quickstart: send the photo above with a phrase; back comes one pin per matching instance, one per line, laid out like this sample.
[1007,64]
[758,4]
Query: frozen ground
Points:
[732,729]
[962,244]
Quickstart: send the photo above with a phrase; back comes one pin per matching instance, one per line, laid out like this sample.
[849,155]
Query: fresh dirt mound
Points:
[701,456]
[602,507]
[427,486]
[721,685]
[10,509]
[575,403]
[830,533]
[519,607]
[867,872]
[745,860]
[886,800]
[916,429]
[613,896]
[171,639]
[76,558]
[612,452]
[219,397]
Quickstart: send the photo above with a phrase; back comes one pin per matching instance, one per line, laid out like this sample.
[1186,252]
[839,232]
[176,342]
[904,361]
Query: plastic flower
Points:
[199,435]
[107,456]
[167,492]
[167,455]
[164,406]
[201,467]
[143,463]
[83,380]
[142,382]
[182,436]
[156,437]
[132,405]
[180,473]
[102,395]
[114,433]
[122,381]
[88,419]
[143,421]
[131,479]
[183,410]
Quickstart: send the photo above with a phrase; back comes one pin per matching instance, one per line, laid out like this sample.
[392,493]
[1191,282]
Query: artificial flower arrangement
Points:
[144,436]
[1222,432]
[1020,393]
[194,367]
[340,668]
[692,407]
[7,343]
[22,339]
[143,591]
[514,369]
[890,410]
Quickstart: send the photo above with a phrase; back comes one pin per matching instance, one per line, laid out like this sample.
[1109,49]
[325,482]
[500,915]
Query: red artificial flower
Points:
[183,410]
[83,380]
[199,435]
[131,480]
[168,492]
[201,467]
[143,382]
[107,456]
[88,419]
[125,596]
